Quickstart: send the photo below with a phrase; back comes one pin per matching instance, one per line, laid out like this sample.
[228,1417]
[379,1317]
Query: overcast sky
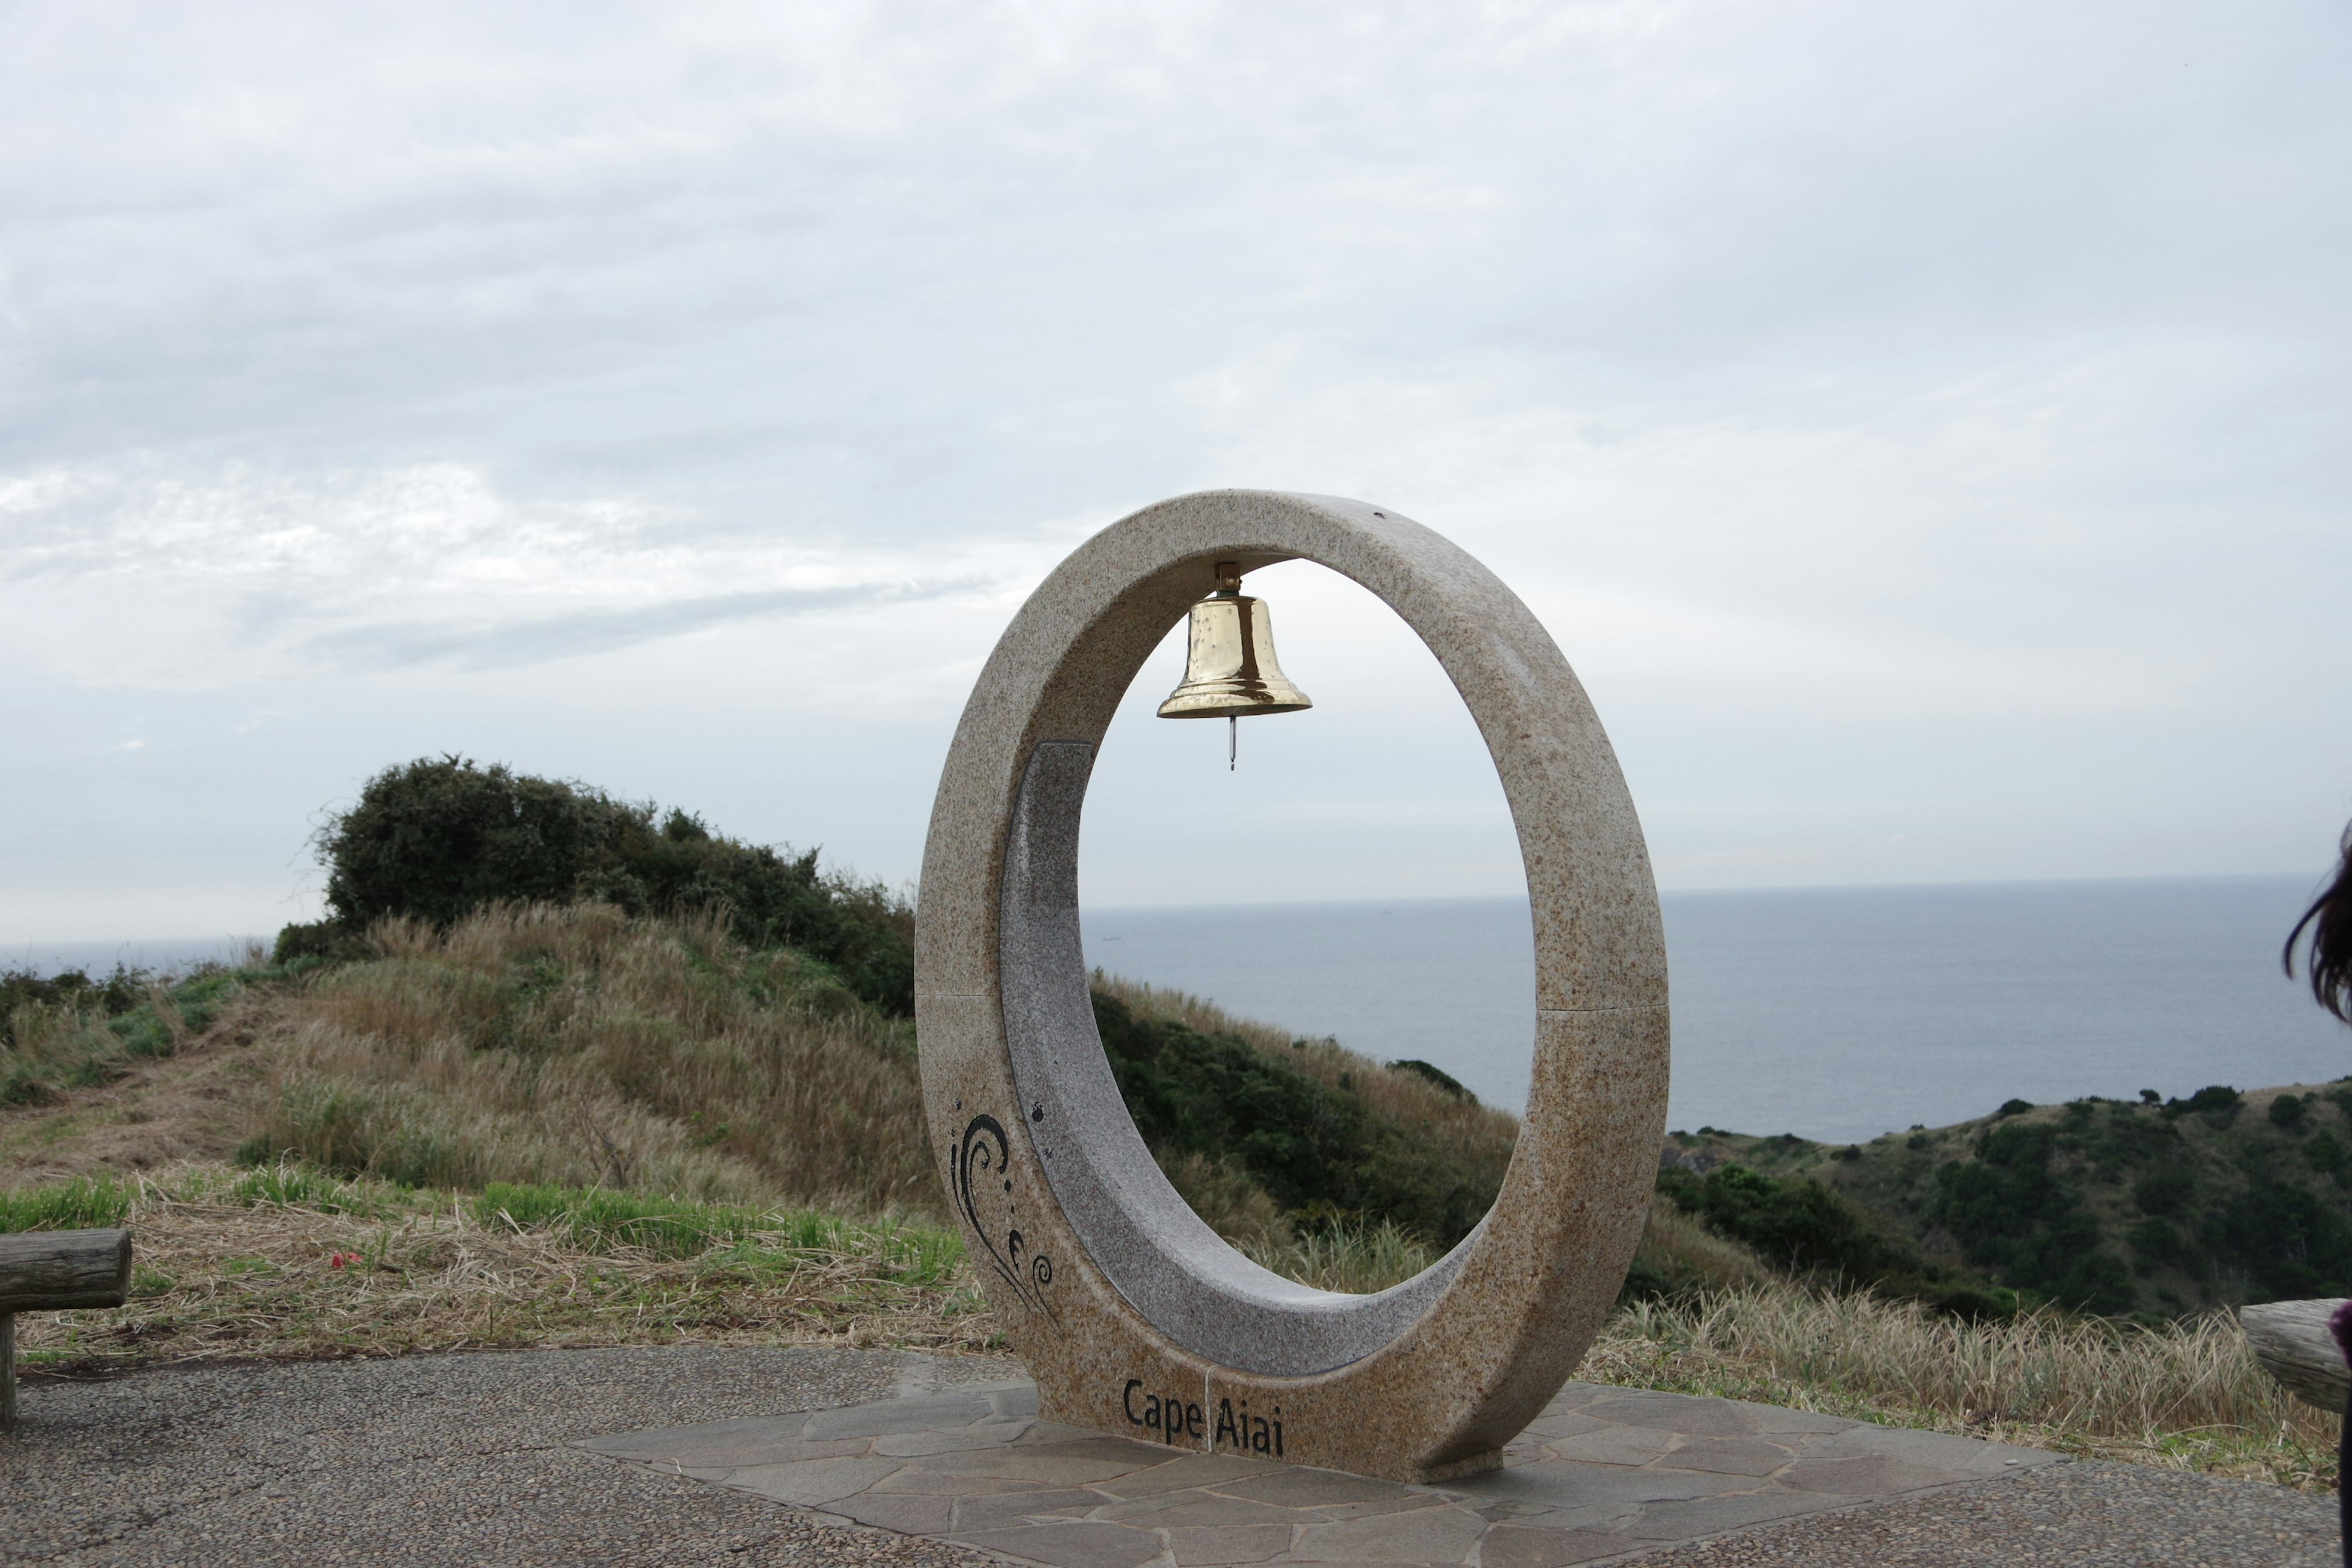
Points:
[1924,426]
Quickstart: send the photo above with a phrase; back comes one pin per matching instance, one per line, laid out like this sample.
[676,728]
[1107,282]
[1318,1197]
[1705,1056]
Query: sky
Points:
[1922,426]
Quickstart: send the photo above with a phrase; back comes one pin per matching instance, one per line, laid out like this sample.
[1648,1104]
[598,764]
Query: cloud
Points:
[1928,396]
[248,574]
[517,643]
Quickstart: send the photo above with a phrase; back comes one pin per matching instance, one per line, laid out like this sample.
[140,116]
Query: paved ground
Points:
[472,1459]
[456,1459]
[2081,1515]
[1602,1474]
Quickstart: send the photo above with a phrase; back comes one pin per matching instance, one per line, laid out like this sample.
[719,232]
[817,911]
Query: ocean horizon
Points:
[1834,1013]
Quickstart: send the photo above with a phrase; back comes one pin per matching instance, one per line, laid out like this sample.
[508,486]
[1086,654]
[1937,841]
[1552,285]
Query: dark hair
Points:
[2327,958]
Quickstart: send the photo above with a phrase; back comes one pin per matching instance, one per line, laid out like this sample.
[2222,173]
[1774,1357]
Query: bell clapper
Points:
[1232,741]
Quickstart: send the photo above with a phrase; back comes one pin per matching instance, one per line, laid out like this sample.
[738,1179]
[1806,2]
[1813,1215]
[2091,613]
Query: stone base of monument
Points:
[1603,1473]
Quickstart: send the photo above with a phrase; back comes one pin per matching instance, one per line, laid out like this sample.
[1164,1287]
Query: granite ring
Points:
[1132,1314]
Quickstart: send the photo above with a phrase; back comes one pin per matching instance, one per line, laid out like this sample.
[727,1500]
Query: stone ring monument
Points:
[1134,1317]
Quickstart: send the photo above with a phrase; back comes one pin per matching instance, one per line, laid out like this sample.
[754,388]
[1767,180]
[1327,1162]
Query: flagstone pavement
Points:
[1602,1473]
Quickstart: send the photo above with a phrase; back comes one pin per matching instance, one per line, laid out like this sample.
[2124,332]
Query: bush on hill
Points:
[1329,1135]
[1797,1224]
[2009,1212]
[2148,1208]
[435,840]
[69,990]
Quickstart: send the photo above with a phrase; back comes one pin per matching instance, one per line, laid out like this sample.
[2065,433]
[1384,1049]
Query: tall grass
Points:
[575,1046]
[1357,1258]
[2189,1392]
[83,1036]
[1677,1253]
[80,1203]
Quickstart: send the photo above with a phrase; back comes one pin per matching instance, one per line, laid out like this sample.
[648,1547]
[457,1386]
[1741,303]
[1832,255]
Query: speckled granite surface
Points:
[1603,1473]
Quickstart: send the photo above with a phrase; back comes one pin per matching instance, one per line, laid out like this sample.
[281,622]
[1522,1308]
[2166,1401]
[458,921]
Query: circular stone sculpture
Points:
[1133,1315]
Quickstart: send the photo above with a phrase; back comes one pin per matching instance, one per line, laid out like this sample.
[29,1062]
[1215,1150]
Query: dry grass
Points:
[2187,1394]
[1222,1192]
[574,1045]
[1357,1259]
[225,1271]
[1362,1259]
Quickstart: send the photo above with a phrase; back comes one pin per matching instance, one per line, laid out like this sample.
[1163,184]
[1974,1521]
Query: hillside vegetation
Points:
[435,839]
[607,1077]
[2148,1207]
[577,1045]
[1265,1134]
[288,1260]
[551,1189]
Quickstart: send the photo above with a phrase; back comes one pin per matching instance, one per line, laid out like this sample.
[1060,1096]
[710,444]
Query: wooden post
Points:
[54,1270]
[2292,1341]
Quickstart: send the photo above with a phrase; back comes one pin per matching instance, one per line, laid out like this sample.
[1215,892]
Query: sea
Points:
[1836,1013]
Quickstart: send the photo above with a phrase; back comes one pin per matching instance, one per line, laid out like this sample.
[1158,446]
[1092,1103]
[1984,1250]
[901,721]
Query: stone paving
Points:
[1602,1473]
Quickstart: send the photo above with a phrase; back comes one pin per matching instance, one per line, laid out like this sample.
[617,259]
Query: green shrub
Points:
[1324,1155]
[1432,1073]
[294,1185]
[68,990]
[1797,1224]
[2287,1240]
[390,1132]
[69,1031]
[2164,1190]
[2217,1099]
[2289,1111]
[317,939]
[436,839]
[2009,1212]
[2328,1156]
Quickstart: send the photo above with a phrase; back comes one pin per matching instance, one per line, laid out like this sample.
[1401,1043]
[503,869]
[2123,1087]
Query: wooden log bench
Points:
[2292,1341]
[52,1271]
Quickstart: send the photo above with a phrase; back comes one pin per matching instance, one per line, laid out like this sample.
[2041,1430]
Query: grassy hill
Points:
[576,1045]
[2119,1207]
[568,1125]
[575,1072]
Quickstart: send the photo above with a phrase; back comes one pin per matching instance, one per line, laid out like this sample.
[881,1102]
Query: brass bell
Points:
[1229,668]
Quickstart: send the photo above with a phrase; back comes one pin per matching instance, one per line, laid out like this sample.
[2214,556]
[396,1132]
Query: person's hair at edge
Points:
[2327,958]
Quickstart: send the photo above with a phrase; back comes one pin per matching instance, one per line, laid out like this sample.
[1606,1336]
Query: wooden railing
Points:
[51,1272]
[2292,1341]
